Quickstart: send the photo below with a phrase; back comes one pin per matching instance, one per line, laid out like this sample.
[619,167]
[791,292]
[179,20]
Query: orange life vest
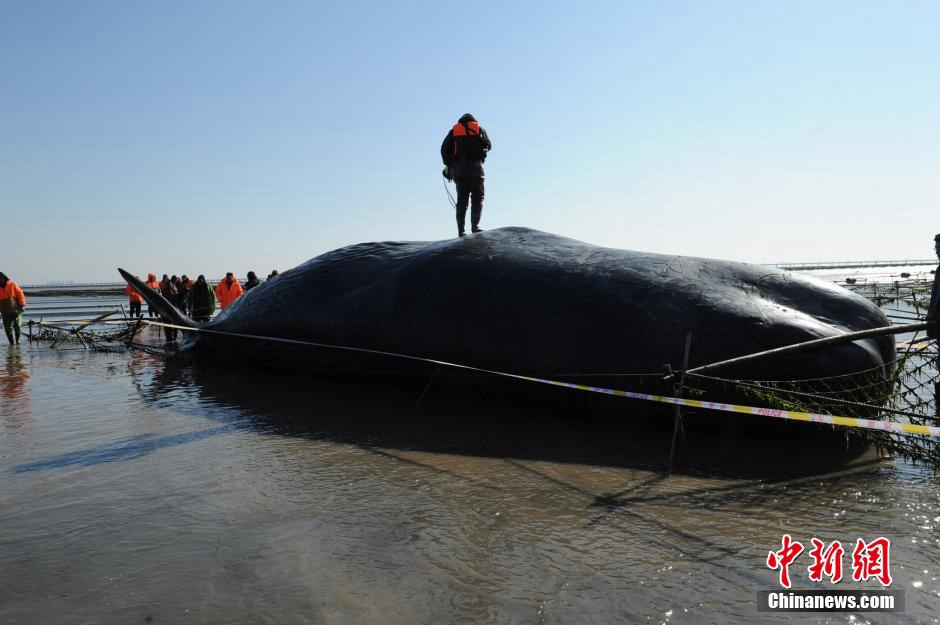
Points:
[463,133]
[133,294]
[13,291]
[472,128]
[228,293]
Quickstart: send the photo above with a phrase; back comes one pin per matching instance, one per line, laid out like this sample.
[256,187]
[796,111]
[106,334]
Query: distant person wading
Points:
[12,304]
[464,149]
[135,301]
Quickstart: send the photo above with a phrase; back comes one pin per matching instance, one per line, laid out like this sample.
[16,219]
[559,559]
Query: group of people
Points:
[195,299]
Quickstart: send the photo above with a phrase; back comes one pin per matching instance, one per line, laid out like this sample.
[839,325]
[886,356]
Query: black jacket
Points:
[470,153]
[201,299]
[182,297]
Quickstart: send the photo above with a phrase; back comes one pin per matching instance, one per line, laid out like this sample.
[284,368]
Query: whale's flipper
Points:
[169,312]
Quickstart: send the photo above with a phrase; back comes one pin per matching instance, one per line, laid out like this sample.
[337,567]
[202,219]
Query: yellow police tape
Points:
[868,424]
[852,422]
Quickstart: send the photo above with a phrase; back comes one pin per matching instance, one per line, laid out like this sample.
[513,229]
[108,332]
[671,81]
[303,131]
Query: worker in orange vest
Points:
[228,290]
[12,304]
[136,300]
[153,284]
[464,149]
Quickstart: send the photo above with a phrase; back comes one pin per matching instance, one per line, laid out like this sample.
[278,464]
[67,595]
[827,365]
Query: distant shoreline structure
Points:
[74,290]
[853,264]
[109,288]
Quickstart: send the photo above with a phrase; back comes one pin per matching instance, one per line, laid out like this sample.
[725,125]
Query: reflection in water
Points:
[456,418]
[14,391]
[177,491]
[122,450]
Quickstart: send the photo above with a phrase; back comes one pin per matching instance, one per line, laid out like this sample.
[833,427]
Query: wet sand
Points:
[137,489]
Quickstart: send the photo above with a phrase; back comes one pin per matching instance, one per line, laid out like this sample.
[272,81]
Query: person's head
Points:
[3,279]
[201,278]
[252,276]
[184,278]
[151,277]
[229,277]
[466,117]
[173,278]
[273,273]
[165,277]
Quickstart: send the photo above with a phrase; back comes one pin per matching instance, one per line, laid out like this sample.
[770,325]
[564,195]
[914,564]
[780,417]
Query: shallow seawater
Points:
[135,488]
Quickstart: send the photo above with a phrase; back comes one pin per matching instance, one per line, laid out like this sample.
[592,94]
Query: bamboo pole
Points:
[807,346]
[677,420]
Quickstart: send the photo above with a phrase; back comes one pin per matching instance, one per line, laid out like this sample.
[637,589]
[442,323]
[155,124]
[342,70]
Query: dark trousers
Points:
[11,325]
[201,311]
[135,309]
[469,190]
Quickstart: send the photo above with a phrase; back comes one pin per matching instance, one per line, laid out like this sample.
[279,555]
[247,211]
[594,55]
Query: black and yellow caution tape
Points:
[851,422]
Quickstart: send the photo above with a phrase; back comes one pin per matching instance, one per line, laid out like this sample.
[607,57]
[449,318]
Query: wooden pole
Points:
[96,319]
[677,419]
[807,346]
[427,387]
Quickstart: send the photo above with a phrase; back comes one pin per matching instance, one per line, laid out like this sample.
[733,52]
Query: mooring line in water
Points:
[850,422]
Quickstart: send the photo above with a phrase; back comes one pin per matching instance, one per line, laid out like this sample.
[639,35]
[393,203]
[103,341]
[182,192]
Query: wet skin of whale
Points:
[524,301]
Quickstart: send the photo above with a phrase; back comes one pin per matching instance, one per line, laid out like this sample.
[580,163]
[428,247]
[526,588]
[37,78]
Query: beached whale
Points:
[528,302]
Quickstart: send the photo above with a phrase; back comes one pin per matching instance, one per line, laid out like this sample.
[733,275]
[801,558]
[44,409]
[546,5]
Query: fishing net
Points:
[903,391]
[99,338]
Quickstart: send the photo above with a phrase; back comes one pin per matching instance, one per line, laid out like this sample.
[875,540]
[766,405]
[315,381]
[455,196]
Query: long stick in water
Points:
[95,320]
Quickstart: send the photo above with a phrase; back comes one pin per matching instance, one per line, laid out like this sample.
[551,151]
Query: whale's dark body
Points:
[523,301]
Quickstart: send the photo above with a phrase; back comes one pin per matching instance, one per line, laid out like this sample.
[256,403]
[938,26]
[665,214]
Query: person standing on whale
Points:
[464,149]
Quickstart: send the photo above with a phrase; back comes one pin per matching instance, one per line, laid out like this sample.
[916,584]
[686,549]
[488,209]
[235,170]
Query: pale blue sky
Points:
[200,137]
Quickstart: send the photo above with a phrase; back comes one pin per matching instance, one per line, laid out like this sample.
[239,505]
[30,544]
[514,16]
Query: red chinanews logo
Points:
[869,560]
